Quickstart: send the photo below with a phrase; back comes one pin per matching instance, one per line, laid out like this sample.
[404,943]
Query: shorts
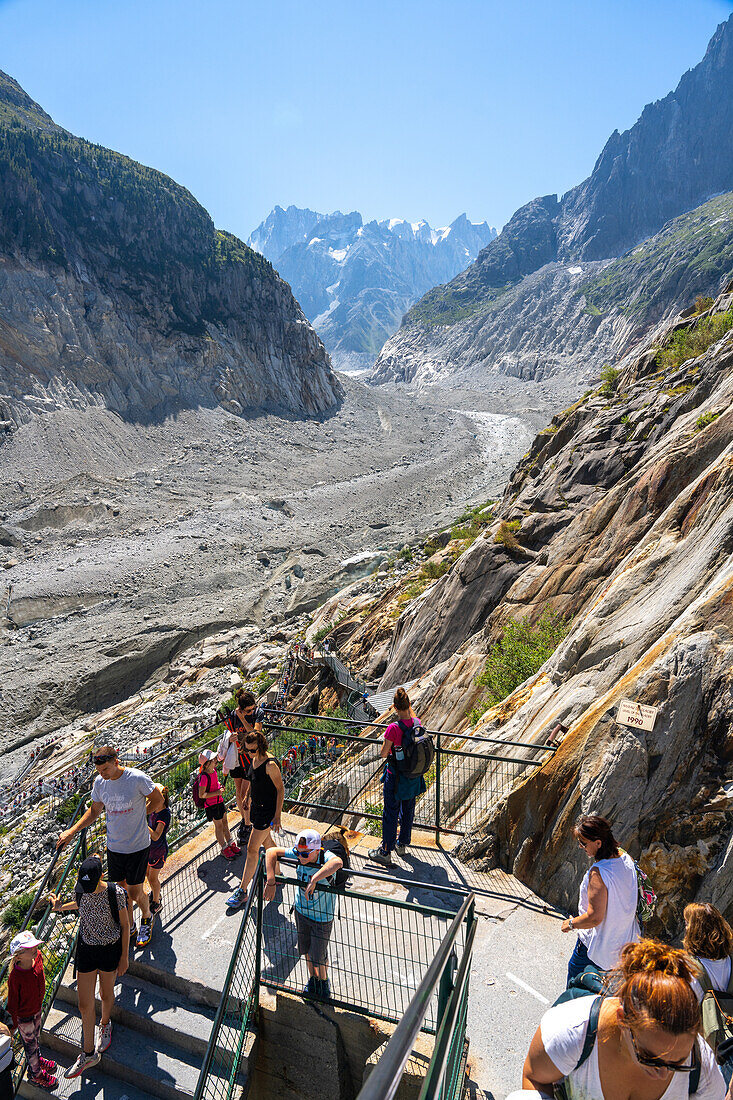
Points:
[91,956]
[238,772]
[215,812]
[313,937]
[129,867]
[261,816]
[157,858]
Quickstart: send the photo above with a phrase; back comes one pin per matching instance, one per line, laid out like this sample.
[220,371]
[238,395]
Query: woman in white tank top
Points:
[607,902]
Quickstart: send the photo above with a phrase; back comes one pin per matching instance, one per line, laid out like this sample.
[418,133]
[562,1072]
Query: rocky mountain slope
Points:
[619,520]
[355,280]
[677,156]
[116,290]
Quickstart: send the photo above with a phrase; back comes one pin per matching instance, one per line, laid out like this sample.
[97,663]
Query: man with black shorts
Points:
[128,796]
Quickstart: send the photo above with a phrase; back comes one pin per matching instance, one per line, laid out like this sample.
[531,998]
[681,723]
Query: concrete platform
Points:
[378,953]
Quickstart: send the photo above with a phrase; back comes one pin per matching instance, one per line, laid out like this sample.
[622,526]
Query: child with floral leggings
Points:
[26,989]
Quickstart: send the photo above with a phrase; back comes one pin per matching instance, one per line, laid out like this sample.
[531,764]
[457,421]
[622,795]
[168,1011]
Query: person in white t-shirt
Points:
[609,894]
[709,940]
[646,1044]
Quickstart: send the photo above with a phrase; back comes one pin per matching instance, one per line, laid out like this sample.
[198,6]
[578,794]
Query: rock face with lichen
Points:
[619,518]
[116,290]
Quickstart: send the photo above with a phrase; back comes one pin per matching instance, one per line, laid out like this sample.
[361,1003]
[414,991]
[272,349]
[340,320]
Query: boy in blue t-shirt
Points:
[313,908]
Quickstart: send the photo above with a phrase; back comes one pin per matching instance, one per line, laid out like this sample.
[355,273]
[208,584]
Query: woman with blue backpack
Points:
[400,790]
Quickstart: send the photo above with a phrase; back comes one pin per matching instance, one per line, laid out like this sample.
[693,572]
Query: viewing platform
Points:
[387,930]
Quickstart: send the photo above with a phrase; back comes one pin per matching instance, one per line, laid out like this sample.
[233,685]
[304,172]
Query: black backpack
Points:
[417,750]
[336,846]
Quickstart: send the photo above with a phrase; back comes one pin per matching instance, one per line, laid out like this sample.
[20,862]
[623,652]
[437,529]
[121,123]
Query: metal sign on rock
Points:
[637,715]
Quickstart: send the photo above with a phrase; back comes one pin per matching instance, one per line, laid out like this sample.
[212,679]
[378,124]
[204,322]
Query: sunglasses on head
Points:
[250,740]
[644,1058]
[104,759]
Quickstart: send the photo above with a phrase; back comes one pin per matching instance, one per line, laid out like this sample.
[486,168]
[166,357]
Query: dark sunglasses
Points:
[98,760]
[646,1059]
[250,740]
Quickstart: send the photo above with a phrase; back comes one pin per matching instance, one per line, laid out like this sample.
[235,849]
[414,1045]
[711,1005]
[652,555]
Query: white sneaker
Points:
[104,1042]
[84,1061]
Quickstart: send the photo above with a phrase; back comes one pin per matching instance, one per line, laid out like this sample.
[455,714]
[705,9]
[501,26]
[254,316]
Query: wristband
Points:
[570,923]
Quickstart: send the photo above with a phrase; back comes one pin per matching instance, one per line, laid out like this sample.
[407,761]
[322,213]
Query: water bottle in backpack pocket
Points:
[417,751]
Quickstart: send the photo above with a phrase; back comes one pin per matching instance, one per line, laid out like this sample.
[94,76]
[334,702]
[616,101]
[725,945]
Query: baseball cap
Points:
[90,873]
[308,840]
[22,941]
[206,755]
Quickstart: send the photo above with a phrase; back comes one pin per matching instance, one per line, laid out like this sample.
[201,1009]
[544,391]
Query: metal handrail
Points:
[382,725]
[384,1080]
[216,1026]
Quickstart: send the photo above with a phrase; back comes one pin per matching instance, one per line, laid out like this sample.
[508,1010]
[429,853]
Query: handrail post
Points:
[446,987]
[259,885]
[437,788]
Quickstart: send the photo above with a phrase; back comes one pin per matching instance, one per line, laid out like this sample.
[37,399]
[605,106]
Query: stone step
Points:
[158,1012]
[153,1065]
[95,1084]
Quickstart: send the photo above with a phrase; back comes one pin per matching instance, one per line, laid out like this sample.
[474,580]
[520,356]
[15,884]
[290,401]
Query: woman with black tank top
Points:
[245,720]
[266,795]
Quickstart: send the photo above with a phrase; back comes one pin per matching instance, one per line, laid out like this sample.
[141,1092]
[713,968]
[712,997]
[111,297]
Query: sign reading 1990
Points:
[637,715]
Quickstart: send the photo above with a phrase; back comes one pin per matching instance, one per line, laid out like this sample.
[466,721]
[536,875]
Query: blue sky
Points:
[406,108]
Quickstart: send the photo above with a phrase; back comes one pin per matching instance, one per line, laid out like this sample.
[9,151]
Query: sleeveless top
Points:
[262,790]
[619,926]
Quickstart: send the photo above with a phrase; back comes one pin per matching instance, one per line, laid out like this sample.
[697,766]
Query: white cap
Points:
[308,840]
[206,755]
[22,941]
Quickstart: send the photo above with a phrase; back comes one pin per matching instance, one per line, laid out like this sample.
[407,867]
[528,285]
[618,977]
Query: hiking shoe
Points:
[145,934]
[83,1062]
[49,1065]
[401,849]
[323,989]
[155,907]
[244,831]
[310,987]
[234,847]
[44,1079]
[228,853]
[238,898]
[378,855]
[104,1042]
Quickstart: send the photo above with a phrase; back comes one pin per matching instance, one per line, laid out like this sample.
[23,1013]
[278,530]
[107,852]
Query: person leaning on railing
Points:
[641,1042]
[128,796]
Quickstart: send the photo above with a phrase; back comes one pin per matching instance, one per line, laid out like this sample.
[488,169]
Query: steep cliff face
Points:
[677,155]
[355,280]
[623,518]
[117,290]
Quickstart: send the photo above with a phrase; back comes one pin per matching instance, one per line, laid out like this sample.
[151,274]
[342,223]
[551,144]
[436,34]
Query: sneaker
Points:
[234,847]
[228,853]
[323,989]
[310,987]
[155,907]
[49,1065]
[244,831]
[84,1061]
[238,898]
[401,849]
[44,1079]
[146,932]
[378,855]
[104,1042]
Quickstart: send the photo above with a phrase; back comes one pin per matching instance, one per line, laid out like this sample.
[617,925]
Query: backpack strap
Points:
[592,1031]
[113,906]
[693,1080]
[703,977]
